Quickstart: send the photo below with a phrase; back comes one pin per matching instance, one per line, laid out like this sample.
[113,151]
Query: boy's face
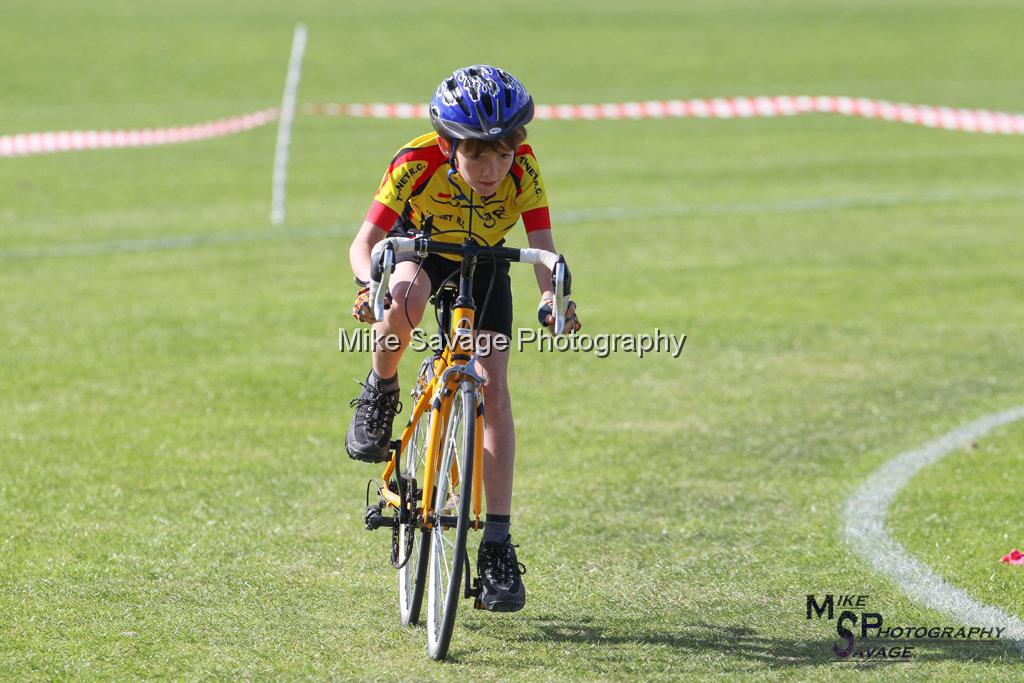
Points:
[484,169]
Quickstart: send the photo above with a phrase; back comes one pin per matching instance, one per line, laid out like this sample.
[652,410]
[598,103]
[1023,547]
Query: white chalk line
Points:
[284,126]
[864,527]
[608,213]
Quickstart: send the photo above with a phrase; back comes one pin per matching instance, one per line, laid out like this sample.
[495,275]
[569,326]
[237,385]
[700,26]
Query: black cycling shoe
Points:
[501,585]
[369,434]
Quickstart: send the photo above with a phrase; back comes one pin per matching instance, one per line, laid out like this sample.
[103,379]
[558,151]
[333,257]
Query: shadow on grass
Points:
[737,643]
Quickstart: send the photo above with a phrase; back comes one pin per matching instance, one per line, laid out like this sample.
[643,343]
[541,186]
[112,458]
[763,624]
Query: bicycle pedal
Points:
[475,593]
[374,519]
[370,516]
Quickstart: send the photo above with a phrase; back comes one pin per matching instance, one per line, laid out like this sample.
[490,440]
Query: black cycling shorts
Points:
[497,316]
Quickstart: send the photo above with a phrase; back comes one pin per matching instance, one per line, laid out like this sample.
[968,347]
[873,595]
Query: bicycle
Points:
[432,499]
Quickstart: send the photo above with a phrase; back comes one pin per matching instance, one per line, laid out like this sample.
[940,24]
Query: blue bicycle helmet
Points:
[480,102]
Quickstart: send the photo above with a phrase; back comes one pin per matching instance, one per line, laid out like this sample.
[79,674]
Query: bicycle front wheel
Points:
[452,501]
[414,544]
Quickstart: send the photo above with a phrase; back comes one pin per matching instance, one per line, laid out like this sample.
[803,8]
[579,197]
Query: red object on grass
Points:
[1015,557]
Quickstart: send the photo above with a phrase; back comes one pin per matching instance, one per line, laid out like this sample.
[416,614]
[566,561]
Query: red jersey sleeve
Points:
[406,174]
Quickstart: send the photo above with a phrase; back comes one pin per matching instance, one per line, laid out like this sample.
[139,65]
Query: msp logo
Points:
[864,635]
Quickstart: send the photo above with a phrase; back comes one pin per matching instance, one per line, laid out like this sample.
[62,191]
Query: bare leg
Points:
[499,429]
[396,322]
[501,586]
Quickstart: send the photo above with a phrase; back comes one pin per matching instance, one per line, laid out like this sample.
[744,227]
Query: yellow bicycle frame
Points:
[439,399]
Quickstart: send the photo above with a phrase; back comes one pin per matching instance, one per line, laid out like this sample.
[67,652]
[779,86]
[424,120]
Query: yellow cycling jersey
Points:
[416,185]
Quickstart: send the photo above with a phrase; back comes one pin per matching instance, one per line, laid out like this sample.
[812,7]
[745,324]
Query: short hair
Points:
[509,142]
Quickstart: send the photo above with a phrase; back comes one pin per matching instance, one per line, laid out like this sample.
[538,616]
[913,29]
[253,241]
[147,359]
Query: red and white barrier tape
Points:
[970,120]
[22,144]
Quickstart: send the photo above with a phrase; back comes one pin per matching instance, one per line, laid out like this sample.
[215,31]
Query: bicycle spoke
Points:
[445,566]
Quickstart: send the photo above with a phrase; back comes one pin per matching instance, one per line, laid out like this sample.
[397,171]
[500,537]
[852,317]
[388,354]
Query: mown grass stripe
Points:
[169,243]
[795,205]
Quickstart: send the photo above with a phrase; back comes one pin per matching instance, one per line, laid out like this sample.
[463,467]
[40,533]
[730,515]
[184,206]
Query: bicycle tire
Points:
[445,574]
[413,574]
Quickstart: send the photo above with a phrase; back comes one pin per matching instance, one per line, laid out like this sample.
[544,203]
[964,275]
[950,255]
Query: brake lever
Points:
[561,283]
[381,268]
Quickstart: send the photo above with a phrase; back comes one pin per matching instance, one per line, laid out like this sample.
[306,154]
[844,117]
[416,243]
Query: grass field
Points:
[174,499]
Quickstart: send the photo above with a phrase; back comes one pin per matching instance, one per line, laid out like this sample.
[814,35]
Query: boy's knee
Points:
[496,392]
[399,320]
[406,309]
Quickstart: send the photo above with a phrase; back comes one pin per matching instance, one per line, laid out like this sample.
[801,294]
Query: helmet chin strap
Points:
[459,193]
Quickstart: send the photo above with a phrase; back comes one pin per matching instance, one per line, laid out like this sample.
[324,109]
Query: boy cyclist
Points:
[474,177]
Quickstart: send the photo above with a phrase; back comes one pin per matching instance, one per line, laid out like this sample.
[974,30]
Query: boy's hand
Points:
[361,309]
[546,315]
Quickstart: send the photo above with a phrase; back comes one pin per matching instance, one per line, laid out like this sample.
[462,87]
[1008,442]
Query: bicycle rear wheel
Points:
[413,543]
[452,500]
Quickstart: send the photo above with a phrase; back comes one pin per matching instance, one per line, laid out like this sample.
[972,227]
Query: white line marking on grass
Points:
[609,213]
[284,126]
[868,508]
